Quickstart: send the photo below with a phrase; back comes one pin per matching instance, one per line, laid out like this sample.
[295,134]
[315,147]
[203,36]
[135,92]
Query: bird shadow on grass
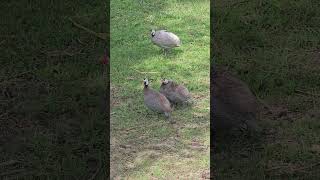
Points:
[173,53]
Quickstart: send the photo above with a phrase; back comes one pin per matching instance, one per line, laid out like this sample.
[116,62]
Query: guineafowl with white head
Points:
[156,101]
[176,93]
[165,40]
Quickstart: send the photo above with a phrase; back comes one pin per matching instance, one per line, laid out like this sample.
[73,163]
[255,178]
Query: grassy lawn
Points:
[51,121]
[275,47]
[143,144]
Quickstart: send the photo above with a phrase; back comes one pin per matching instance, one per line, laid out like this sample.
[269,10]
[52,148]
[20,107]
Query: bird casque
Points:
[156,101]
[177,94]
[165,40]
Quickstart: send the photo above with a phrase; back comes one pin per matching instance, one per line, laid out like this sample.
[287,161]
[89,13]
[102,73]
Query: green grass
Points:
[274,47]
[51,83]
[143,143]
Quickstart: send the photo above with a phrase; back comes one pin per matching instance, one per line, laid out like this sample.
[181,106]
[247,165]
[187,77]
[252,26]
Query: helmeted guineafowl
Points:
[165,40]
[176,93]
[156,101]
[234,105]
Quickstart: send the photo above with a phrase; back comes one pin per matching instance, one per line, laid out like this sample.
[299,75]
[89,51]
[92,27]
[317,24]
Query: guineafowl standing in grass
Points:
[234,105]
[156,101]
[165,40]
[177,94]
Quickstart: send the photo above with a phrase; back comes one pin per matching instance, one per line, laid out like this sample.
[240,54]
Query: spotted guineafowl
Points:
[234,105]
[165,40]
[177,94]
[156,101]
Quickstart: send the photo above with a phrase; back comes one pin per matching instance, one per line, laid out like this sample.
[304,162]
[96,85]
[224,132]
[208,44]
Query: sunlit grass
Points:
[157,148]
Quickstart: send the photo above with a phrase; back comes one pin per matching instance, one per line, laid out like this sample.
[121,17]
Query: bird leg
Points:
[165,51]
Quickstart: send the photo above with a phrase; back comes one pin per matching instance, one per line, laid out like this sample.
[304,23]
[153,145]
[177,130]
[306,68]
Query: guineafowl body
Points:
[156,101]
[176,93]
[165,40]
[234,104]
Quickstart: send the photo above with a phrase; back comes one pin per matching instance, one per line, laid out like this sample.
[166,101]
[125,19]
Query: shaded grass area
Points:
[51,119]
[143,144]
[274,47]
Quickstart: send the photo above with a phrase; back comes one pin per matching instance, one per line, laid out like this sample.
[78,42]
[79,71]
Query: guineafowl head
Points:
[164,81]
[153,32]
[145,82]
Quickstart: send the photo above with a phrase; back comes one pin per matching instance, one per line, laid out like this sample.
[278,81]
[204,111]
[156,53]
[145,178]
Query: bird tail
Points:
[190,102]
[179,43]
